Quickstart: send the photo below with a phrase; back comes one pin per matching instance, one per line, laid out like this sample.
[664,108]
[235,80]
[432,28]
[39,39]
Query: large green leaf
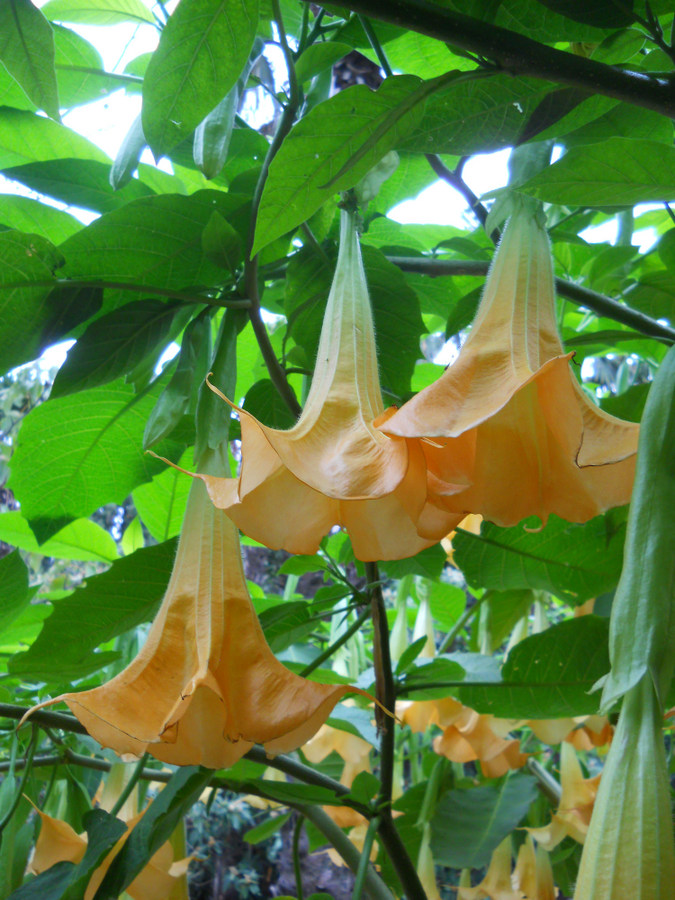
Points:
[26,214]
[14,591]
[34,313]
[80,74]
[616,172]
[549,675]
[98,12]
[354,129]
[153,241]
[201,53]
[654,294]
[154,829]
[115,344]
[27,52]
[161,502]
[26,138]
[110,604]
[468,825]
[576,562]
[76,453]
[77,182]
[476,115]
[82,540]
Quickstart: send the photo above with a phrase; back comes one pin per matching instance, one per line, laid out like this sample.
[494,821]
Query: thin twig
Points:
[297,868]
[330,650]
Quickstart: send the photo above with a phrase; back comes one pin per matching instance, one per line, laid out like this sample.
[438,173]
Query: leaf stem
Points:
[360,880]
[28,765]
[376,45]
[330,650]
[297,868]
[130,785]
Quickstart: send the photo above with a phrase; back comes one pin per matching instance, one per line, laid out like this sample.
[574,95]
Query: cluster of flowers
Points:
[506,432]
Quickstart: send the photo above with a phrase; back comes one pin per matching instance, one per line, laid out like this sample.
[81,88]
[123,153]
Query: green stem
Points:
[466,616]
[361,872]
[130,785]
[297,868]
[330,650]
[385,688]
[582,296]
[376,45]
[520,55]
[26,772]
[375,887]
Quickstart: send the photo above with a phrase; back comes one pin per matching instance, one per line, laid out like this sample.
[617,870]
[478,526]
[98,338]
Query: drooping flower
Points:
[508,419]
[205,687]
[576,803]
[497,882]
[533,874]
[334,467]
[629,852]
[160,879]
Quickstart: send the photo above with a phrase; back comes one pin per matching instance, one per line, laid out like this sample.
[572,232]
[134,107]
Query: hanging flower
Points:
[576,803]
[497,882]
[160,879]
[205,687]
[508,419]
[334,467]
[533,874]
[355,752]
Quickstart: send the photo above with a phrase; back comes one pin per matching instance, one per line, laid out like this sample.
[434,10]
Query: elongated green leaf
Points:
[153,241]
[468,825]
[264,402]
[211,417]
[307,170]
[80,74]
[654,294]
[201,54]
[476,115]
[114,344]
[161,502]
[14,592]
[26,214]
[110,604]
[576,562]
[82,540]
[78,182]
[27,138]
[98,12]
[616,172]
[318,57]
[126,161]
[154,829]
[76,453]
[27,51]
[549,675]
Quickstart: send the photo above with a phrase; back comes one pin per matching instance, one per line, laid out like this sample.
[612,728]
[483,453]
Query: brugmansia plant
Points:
[352,531]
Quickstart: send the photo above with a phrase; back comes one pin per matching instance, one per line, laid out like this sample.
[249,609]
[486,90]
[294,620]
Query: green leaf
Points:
[264,402]
[308,169]
[77,182]
[428,563]
[500,612]
[82,540]
[201,53]
[354,720]
[126,161]
[110,604]
[617,172]
[154,829]
[14,592]
[286,624]
[600,13]
[66,880]
[80,73]
[302,565]
[26,214]
[421,678]
[318,57]
[28,138]
[267,828]
[575,562]
[114,344]
[476,114]
[152,241]
[213,416]
[27,52]
[549,675]
[98,12]
[161,502]
[222,244]
[447,602]
[468,825]
[76,453]
[654,294]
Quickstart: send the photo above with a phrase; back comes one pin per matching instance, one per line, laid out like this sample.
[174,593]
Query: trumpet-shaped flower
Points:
[160,879]
[629,852]
[497,882]
[533,874]
[355,752]
[205,687]
[576,803]
[508,419]
[334,467]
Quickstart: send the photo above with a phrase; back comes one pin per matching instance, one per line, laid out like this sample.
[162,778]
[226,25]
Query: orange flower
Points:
[497,882]
[467,736]
[576,803]
[508,420]
[161,879]
[355,752]
[533,874]
[205,687]
[334,467]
